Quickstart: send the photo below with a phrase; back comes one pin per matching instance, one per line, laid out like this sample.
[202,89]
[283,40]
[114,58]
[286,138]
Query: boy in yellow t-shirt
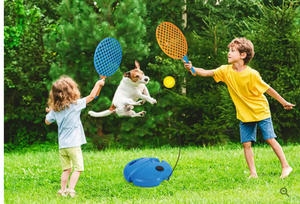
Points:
[247,89]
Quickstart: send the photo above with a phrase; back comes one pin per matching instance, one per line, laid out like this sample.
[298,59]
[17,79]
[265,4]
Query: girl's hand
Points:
[101,82]
[288,106]
[48,110]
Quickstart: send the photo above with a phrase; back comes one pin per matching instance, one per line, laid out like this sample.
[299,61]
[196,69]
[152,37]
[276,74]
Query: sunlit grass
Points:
[203,175]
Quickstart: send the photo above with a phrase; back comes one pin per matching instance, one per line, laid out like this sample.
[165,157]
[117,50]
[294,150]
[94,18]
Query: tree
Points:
[81,27]
[209,116]
[276,40]
[26,63]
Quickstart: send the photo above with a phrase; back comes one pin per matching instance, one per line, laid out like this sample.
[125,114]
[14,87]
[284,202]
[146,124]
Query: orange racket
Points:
[171,40]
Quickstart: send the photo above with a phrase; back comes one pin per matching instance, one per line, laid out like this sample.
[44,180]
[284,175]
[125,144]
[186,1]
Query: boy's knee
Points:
[247,144]
[270,141]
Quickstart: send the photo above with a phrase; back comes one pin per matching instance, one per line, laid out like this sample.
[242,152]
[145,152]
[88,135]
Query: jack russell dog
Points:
[131,88]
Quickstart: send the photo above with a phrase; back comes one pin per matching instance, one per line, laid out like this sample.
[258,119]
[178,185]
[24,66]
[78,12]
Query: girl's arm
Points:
[274,94]
[94,91]
[199,71]
[46,121]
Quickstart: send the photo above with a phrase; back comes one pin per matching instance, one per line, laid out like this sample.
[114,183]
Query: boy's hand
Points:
[288,106]
[48,110]
[101,82]
[188,66]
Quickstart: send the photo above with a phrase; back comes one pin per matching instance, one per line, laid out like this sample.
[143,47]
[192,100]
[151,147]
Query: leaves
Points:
[45,39]
[277,58]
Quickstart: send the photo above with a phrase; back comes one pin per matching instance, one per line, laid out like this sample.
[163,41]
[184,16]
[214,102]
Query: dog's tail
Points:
[100,114]
[103,113]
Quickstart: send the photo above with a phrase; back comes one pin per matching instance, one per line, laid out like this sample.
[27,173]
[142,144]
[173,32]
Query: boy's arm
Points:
[203,72]
[94,91]
[274,94]
[199,71]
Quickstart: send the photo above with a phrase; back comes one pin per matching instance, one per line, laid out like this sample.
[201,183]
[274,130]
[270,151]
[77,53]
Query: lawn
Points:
[203,175]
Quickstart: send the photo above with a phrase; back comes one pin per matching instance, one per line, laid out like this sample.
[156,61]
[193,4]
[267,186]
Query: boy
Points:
[246,89]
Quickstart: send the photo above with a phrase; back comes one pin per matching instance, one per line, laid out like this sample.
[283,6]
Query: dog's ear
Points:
[126,74]
[137,65]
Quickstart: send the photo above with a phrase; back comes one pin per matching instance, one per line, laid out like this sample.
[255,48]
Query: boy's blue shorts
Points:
[248,130]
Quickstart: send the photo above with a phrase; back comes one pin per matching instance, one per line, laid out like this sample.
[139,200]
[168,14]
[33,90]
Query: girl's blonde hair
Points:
[64,91]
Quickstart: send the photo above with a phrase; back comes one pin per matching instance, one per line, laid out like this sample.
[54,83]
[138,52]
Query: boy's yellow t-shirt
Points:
[246,89]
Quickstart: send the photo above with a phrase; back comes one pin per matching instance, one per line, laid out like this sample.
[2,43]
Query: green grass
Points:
[203,175]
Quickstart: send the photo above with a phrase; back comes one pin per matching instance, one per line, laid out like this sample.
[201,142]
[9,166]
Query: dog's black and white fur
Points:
[131,88]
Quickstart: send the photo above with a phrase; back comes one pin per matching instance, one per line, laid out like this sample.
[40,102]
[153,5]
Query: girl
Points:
[65,106]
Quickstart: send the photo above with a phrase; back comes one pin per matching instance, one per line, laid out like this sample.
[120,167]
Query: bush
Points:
[276,40]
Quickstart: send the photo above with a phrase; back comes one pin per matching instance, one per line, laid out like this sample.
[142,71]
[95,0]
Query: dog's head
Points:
[137,75]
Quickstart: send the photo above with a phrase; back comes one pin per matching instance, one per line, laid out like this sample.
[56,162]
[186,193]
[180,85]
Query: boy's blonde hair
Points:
[64,91]
[243,45]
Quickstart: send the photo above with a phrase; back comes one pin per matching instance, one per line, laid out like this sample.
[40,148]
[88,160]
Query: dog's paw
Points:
[142,102]
[153,101]
[142,113]
[129,107]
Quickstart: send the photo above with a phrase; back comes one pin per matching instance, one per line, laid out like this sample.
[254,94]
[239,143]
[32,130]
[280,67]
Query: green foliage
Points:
[81,27]
[276,39]
[25,70]
[208,48]
[45,39]
[229,13]
[160,11]
[206,117]
[170,100]
[229,122]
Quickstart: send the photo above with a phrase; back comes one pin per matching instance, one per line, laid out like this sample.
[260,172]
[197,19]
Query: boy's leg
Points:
[267,129]
[248,134]
[250,159]
[286,169]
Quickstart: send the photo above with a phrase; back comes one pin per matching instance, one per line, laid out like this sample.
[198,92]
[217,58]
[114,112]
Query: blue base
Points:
[147,172]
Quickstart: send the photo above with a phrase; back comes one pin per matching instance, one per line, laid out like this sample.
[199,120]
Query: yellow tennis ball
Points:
[169,82]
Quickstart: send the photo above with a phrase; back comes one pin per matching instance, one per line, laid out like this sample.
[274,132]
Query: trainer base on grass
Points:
[147,172]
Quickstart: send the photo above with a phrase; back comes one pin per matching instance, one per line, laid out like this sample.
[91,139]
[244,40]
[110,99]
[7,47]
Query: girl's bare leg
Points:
[64,179]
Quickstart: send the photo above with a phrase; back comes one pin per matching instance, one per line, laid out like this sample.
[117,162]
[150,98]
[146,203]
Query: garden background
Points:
[46,39]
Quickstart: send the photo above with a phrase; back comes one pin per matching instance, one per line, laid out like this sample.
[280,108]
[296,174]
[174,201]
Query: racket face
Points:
[107,57]
[171,40]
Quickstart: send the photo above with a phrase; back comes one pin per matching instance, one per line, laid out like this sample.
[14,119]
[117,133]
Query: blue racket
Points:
[107,58]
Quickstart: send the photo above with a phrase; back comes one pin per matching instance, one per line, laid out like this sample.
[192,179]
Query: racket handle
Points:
[99,90]
[192,70]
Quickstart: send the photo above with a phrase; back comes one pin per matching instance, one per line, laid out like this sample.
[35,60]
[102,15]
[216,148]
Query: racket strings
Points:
[108,57]
[171,40]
